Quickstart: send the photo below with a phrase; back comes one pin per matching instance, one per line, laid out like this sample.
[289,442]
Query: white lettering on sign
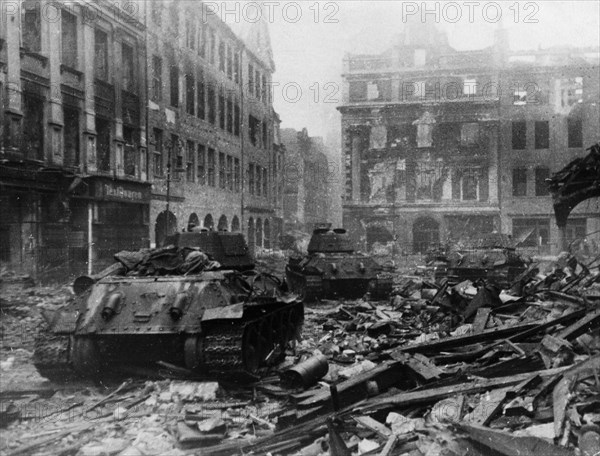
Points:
[120,192]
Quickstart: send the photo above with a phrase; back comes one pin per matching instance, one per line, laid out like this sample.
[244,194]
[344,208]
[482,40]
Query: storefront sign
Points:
[118,191]
[121,191]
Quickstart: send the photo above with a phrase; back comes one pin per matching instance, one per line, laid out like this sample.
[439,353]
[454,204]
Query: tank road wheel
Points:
[86,357]
[251,349]
[193,350]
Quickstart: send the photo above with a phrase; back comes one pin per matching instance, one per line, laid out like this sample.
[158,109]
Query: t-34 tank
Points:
[490,257]
[195,303]
[333,269]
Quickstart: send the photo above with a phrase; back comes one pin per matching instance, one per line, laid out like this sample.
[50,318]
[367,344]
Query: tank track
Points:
[51,356]
[225,345]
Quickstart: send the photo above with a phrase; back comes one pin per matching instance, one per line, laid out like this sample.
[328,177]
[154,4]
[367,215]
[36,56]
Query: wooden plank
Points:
[481,319]
[389,445]
[588,322]
[381,429]
[489,406]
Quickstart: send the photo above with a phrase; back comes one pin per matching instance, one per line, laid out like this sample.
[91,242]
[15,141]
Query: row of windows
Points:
[203,39]
[519,181]
[200,163]
[69,48]
[542,134]
[258,182]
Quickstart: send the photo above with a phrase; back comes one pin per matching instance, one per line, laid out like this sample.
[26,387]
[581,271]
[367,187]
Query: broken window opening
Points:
[31,30]
[237,175]
[158,153]
[100,55]
[190,94]
[541,188]
[130,136]
[69,39]
[222,182]
[358,91]
[574,132]
[201,164]
[469,134]
[71,136]
[174,82]
[251,178]
[103,127]
[128,68]
[519,135]
[33,126]
[190,168]
[542,134]
[470,184]
[201,110]
[229,173]
[212,111]
[211,167]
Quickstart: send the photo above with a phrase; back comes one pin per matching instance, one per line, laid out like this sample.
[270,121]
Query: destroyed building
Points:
[440,144]
[211,112]
[100,104]
[306,199]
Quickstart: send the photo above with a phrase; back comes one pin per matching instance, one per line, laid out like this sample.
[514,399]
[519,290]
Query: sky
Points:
[310,38]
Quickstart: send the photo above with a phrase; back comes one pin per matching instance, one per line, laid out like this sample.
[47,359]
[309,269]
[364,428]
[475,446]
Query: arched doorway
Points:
[259,233]
[209,223]
[193,221]
[426,234]
[223,225]
[267,234]
[251,234]
[166,225]
[235,224]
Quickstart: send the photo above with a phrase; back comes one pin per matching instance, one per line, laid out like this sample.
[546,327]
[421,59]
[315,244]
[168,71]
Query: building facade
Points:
[121,124]
[306,198]
[211,124]
[440,145]
[73,182]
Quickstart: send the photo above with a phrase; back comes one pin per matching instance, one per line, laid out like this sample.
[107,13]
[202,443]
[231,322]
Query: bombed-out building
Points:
[211,124]
[435,140]
[73,181]
[306,175]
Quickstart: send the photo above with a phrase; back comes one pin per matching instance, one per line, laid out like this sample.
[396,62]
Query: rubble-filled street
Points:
[433,370]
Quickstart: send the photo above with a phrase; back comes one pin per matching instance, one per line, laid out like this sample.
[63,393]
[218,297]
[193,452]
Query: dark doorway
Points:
[166,225]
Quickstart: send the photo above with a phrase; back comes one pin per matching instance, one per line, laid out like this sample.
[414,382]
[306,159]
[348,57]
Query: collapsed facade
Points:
[119,125]
[440,144]
[306,200]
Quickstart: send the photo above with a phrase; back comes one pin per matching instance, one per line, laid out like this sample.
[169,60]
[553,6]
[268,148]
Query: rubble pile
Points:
[438,369]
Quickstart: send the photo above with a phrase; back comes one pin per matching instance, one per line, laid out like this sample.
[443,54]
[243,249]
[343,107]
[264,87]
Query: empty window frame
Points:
[519,135]
[519,182]
[542,134]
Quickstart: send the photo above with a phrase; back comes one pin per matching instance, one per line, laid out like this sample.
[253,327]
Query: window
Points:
[103,144]
[469,134]
[229,115]
[222,108]
[222,56]
[212,111]
[257,82]
[576,229]
[229,172]
[128,68]
[157,159]
[31,31]
[236,120]
[250,79]
[519,97]
[265,135]
[541,174]
[519,135]
[251,178]
[531,232]
[201,164]
[424,135]
[258,171]
[190,94]
[222,183]
[264,91]
[574,131]
[69,39]
[542,134]
[190,33]
[470,184]
[202,46]
[156,78]
[211,167]
[200,110]
[236,69]
[265,182]
[100,55]
[174,81]
[229,62]
[571,91]
[470,86]
[71,136]
[33,126]
[189,167]
[237,175]
[212,46]
[130,153]
[519,182]
[254,130]
[358,90]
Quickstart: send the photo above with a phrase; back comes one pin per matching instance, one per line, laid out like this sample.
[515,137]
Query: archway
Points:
[166,225]
[267,234]
[251,234]
[235,224]
[209,222]
[223,224]
[259,233]
[193,221]
[426,234]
